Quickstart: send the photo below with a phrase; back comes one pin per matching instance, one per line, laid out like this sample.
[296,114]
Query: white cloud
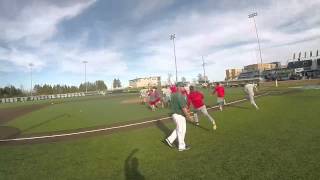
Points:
[32,26]
[21,60]
[227,39]
[147,7]
[100,62]
[38,22]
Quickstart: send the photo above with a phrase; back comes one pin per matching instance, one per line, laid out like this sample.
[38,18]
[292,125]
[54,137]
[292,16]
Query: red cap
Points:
[173,88]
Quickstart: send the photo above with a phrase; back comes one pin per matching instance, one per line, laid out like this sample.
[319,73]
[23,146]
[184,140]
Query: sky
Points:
[127,39]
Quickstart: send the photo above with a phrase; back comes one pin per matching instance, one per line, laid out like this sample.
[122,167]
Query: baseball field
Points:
[115,137]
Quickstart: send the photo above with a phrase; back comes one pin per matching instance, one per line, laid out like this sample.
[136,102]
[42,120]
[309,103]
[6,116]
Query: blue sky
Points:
[126,39]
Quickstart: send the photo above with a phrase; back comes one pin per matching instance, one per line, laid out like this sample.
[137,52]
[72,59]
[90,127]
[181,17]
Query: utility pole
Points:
[85,74]
[172,37]
[169,79]
[255,25]
[31,65]
[204,70]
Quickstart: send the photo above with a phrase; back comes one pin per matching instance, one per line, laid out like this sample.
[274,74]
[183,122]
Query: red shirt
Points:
[219,90]
[196,99]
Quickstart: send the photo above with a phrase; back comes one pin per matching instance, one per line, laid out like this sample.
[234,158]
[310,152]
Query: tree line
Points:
[60,89]
[116,83]
[47,89]
[10,91]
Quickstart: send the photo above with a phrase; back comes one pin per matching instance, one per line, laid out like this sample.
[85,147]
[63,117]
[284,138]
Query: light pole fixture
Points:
[204,70]
[252,15]
[85,74]
[172,37]
[31,65]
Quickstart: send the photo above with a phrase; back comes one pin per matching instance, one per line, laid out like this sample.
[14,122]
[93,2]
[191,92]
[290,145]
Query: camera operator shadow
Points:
[132,167]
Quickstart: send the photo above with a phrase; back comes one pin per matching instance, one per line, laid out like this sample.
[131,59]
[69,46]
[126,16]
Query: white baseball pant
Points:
[252,101]
[179,132]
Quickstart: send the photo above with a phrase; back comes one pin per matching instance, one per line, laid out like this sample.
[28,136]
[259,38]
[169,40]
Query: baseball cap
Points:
[173,88]
[180,84]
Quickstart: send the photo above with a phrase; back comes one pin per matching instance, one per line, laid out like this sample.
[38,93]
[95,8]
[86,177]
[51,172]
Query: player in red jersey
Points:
[196,99]
[219,90]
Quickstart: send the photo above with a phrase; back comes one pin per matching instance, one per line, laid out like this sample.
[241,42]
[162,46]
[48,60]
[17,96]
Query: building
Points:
[232,74]
[145,82]
[278,65]
[260,67]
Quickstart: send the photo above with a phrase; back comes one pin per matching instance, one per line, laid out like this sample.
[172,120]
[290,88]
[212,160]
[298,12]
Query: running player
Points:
[196,99]
[219,89]
[166,96]
[154,98]
[249,90]
[180,113]
[144,96]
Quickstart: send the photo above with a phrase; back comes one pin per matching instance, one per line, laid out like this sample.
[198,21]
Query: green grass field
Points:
[280,141]
[81,114]
[69,115]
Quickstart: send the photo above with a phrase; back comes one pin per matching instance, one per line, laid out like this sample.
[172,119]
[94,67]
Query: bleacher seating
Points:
[299,64]
[248,75]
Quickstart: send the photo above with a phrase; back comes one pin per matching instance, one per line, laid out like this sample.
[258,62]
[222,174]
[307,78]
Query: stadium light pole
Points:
[204,70]
[85,74]
[172,37]
[252,15]
[31,65]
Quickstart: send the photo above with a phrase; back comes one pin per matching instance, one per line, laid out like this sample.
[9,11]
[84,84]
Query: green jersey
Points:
[178,101]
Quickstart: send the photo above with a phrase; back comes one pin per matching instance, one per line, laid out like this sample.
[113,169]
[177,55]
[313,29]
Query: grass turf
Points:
[94,112]
[280,141]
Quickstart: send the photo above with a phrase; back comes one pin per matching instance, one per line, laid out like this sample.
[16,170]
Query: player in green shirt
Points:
[180,111]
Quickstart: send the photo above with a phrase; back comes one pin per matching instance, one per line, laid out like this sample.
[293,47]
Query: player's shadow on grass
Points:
[200,127]
[131,167]
[166,131]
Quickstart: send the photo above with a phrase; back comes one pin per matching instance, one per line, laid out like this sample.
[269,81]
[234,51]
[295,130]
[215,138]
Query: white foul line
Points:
[105,129]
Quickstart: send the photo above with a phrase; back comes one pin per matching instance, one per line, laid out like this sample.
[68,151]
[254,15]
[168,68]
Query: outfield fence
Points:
[52,96]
